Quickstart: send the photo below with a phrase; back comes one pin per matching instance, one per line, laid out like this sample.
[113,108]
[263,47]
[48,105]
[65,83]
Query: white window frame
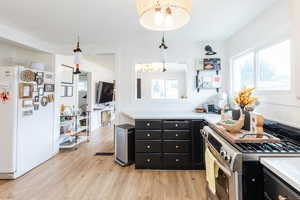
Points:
[256,72]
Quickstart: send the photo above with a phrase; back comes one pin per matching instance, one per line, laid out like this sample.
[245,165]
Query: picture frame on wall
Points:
[212,64]
[67,74]
[27,103]
[49,87]
[25,90]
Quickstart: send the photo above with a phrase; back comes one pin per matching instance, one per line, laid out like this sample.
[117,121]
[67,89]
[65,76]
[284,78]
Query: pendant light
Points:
[77,57]
[163,49]
[164,15]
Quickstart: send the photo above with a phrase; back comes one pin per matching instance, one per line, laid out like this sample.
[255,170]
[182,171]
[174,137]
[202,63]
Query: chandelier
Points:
[164,15]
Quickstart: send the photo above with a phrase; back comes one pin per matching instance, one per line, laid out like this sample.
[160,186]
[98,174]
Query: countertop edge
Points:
[279,173]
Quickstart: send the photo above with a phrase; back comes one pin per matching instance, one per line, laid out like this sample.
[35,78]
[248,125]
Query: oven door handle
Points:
[224,169]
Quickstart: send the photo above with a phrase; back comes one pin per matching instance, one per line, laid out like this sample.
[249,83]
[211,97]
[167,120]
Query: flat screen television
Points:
[104,92]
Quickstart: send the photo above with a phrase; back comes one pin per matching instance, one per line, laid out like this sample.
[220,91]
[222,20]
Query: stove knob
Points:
[222,153]
[227,158]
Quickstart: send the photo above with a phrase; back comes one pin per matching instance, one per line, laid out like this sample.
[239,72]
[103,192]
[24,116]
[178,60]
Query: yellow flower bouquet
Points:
[244,97]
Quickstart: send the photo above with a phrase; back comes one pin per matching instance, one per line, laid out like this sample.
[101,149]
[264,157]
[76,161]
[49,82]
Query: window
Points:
[243,71]
[267,69]
[273,66]
[165,89]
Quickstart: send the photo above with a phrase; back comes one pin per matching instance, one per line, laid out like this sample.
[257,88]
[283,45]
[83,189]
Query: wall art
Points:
[25,90]
[27,113]
[41,91]
[40,81]
[36,106]
[50,98]
[49,87]
[44,101]
[4,96]
[27,76]
[67,74]
[27,103]
[37,99]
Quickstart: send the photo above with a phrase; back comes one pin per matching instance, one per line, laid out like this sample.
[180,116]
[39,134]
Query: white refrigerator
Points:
[26,134]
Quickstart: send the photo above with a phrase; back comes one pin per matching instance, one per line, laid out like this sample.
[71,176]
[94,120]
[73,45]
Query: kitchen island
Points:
[169,140]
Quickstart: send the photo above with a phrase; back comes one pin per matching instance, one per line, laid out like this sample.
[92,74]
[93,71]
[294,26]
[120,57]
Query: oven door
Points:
[225,181]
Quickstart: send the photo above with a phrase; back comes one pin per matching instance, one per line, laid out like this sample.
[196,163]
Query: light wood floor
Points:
[80,175]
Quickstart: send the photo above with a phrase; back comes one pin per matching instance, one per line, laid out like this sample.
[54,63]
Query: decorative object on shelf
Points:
[244,98]
[44,101]
[25,90]
[27,113]
[212,64]
[163,47]
[209,51]
[49,87]
[36,106]
[41,91]
[164,15]
[4,96]
[200,109]
[50,98]
[27,76]
[67,74]
[232,126]
[27,103]
[257,124]
[77,57]
[199,65]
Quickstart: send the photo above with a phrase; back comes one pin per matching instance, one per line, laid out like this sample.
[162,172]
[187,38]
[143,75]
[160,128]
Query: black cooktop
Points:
[289,144]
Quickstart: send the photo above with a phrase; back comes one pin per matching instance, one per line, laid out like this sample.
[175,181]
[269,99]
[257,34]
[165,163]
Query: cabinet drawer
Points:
[148,135]
[147,146]
[148,124]
[176,146]
[177,135]
[148,161]
[177,161]
[275,188]
[176,125]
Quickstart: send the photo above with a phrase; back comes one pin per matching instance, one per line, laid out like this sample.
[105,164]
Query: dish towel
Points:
[212,170]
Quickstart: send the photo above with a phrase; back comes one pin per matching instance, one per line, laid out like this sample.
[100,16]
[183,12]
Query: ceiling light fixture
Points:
[77,57]
[164,15]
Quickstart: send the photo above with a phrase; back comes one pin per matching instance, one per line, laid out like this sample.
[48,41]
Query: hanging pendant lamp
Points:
[77,57]
[163,49]
[164,15]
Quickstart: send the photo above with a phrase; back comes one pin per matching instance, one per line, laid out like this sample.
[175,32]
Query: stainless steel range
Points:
[240,174]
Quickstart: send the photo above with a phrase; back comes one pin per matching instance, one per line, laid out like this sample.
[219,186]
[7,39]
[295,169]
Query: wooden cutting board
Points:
[237,137]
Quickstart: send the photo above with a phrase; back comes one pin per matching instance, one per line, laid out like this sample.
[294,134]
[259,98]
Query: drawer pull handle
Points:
[176,135]
[282,198]
[177,160]
[148,135]
[148,160]
[148,146]
[176,125]
[148,124]
[177,146]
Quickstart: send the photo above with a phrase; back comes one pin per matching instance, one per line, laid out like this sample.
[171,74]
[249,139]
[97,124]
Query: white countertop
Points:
[211,118]
[286,168]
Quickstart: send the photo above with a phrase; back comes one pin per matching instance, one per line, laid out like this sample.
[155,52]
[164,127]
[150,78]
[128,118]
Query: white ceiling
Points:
[110,22]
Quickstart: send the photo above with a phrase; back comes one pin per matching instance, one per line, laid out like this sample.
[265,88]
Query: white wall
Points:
[272,26]
[147,52]
[14,54]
